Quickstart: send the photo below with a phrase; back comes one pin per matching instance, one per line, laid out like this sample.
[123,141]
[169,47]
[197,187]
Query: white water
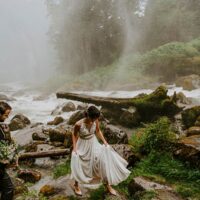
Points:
[141,8]
[40,110]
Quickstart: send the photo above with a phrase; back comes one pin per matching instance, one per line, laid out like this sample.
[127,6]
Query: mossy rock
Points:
[189,116]
[148,107]
[156,104]
[47,190]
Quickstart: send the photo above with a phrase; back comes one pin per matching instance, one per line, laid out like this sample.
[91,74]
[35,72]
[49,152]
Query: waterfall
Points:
[141,8]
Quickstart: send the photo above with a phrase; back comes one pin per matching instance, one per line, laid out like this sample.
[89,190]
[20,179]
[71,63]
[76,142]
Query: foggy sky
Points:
[25,53]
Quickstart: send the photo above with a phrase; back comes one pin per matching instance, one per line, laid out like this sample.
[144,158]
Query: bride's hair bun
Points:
[92,112]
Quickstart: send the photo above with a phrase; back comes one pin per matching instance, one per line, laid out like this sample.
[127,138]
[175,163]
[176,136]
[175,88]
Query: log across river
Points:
[129,112]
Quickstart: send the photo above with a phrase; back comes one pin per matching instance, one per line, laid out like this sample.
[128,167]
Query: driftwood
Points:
[101,101]
[42,154]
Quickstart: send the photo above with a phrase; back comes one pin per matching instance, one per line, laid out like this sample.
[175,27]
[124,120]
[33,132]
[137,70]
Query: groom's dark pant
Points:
[6,186]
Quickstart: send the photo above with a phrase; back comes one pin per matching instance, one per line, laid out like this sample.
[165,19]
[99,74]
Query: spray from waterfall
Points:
[141,8]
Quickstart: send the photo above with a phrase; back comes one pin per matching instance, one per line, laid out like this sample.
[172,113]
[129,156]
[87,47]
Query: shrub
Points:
[184,179]
[156,136]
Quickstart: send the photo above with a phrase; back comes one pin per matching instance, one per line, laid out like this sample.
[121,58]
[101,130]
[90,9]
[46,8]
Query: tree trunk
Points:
[42,154]
[100,101]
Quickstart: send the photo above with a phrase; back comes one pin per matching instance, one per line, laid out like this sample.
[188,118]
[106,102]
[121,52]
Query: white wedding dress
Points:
[96,160]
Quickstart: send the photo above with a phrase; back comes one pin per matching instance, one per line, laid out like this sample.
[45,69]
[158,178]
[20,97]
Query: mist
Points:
[59,41]
[25,51]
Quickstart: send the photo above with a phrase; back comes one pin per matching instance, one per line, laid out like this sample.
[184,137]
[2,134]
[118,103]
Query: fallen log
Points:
[129,112]
[42,154]
[100,101]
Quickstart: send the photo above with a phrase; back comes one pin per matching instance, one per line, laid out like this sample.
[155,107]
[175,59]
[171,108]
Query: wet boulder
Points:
[197,123]
[82,106]
[68,107]
[139,185]
[16,124]
[190,116]
[194,130]
[76,117]
[188,150]
[19,121]
[41,97]
[22,118]
[29,175]
[142,184]
[56,121]
[3,97]
[130,117]
[61,134]
[114,135]
[190,82]
[39,135]
[56,111]
[47,190]
[182,99]
[24,137]
[31,147]
[110,115]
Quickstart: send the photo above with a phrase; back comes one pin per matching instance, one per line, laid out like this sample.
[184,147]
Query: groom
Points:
[6,185]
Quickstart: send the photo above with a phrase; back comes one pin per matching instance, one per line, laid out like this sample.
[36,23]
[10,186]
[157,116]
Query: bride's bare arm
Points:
[75,136]
[99,133]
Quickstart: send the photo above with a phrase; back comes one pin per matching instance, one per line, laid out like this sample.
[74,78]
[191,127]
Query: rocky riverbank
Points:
[136,136]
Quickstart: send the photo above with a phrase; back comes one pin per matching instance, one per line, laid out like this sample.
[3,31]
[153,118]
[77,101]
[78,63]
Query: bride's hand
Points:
[75,151]
[105,143]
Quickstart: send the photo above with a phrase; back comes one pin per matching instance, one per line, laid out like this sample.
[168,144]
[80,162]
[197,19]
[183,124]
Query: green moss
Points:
[156,136]
[183,179]
[62,169]
[97,194]
[189,116]
[31,195]
[158,103]
[145,195]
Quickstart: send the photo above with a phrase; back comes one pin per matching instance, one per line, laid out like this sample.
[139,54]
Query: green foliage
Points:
[97,194]
[156,136]
[155,104]
[145,195]
[31,195]
[95,34]
[173,59]
[7,152]
[185,180]
[196,44]
[189,116]
[62,169]
[164,63]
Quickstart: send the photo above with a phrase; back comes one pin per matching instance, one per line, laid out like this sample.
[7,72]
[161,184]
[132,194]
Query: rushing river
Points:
[38,107]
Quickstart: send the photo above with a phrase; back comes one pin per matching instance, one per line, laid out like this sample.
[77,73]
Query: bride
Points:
[91,159]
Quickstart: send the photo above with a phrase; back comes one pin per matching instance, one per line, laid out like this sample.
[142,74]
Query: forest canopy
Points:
[89,34]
